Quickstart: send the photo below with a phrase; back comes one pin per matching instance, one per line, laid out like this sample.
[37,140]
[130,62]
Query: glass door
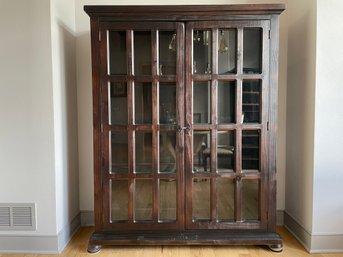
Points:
[226,99]
[142,95]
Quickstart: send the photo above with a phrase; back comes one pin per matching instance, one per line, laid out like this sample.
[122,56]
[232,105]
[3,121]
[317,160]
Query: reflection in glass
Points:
[143,103]
[201,199]
[168,151]
[225,151]
[226,102]
[252,50]
[143,152]
[201,151]
[225,199]
[202,45]
[119,200]
[167,52]
[118,103]
[223,46]
[251,100]
[143,199]
[172,43]
[227,51]
[167,200]
[118,152]
[250,200]
[250,150]
[142,52]
[167,103]
[202,102]
[117,52]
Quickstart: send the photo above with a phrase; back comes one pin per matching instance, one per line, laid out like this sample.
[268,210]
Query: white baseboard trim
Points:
[280,217]
[65,235]
[87,218]
[313,243]
[301,234]
[327,244]
[40,244]
[29,244]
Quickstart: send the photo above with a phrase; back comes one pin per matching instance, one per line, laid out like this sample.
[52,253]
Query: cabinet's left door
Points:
[141,95]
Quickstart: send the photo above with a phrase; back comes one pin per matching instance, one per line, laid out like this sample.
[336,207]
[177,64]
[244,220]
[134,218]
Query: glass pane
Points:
[202,45]
[227,51]
[142,52]
[225,151]
[117,52]
[167,203]
[201,199]
[167,103]
[143,103]
[225,199]
[226,102]
[118,103]
[250,150]
[202,102]
[143,199]
[252,50]
[167,52]
[168,151]
[119,152]
[250,201]
[119,200]
[201,151]
[251,100]
[143,152]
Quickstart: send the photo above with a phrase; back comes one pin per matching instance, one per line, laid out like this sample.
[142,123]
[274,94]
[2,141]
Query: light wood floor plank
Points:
[78,248]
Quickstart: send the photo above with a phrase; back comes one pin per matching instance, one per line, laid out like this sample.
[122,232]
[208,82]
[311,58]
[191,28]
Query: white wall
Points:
[315,124]
[84,86]
[26,110]
[300,110]
[38,130]
[328,161]
[65,111]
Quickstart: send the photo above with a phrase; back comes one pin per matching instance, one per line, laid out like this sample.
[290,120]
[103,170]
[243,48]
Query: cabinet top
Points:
[181,12]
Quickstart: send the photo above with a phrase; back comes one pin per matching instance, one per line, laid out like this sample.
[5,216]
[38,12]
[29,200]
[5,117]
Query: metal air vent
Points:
[17,216]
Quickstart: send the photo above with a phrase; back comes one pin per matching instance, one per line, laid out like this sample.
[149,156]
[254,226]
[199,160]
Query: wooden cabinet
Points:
[184,110]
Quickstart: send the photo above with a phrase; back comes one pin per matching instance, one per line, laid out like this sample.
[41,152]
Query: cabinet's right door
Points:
[227,85]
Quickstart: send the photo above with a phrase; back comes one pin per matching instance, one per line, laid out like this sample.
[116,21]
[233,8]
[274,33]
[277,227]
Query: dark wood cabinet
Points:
[184,111]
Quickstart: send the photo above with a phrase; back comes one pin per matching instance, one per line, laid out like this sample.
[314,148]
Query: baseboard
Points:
[30,244]
[67,232]
[327,244]
[39,244]
[313,243]
[87,218]
[280,217]
[300,233]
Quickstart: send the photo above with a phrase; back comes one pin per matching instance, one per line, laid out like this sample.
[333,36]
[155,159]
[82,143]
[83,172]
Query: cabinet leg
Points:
[276,248]
[93,248]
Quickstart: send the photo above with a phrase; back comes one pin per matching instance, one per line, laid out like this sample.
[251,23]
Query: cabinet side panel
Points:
[273,110]
[96,122]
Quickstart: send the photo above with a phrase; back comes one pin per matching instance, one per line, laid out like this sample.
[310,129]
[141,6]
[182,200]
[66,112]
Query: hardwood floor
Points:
[78,245]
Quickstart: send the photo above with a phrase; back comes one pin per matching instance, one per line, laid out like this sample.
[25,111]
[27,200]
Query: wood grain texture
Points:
[144,23]
[78,245]
[184,10]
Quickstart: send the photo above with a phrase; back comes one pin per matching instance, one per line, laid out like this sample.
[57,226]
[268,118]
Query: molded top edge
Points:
[235,9]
